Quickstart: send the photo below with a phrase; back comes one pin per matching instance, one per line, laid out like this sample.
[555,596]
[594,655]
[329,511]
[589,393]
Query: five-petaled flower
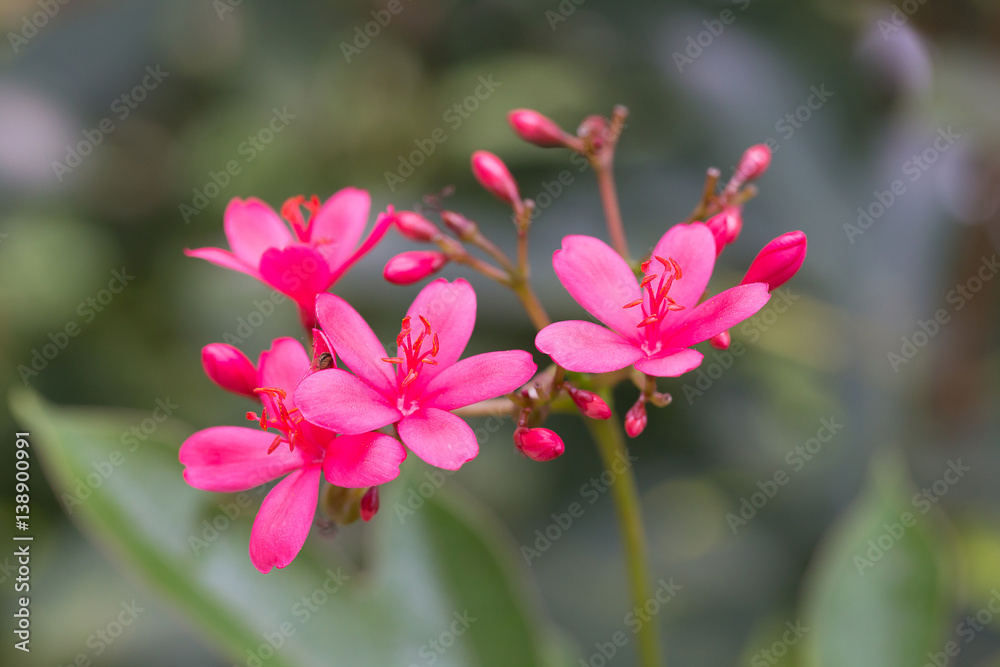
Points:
[652,324]
[418,386]
[299,256]
[227,459]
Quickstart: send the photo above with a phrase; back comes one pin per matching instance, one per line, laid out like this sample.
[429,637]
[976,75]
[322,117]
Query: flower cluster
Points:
[351,424]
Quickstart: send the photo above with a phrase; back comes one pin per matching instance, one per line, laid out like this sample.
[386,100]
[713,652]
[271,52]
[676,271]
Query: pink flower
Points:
[651,324]
[297,256]
[778,261]
[418,387]
[229,368]
[227,459]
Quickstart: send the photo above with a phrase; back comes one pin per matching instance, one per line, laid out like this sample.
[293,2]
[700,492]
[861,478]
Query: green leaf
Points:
[879,593]
[443,586]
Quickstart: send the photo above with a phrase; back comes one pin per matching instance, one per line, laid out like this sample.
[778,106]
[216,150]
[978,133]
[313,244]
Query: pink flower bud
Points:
[538,444]
[721,341]
[754,162]
[369,504]
[493,175]
[230,369]
[536,129]
[461,226]
[415,226]
[594,129]
[409,267]
[725,227]
[778,261]
[635,419]
[590,404]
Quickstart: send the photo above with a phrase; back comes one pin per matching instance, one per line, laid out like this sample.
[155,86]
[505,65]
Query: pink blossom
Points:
[418,387]
[227,459]
[297,256]
[651,325]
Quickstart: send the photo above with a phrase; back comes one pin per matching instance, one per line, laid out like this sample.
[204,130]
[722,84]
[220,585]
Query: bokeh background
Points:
[851,95]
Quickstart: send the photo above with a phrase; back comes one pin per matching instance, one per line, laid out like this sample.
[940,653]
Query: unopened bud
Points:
[536,129]
[461,226]
[594,130]
[590,404]
[369,504]
[230,369]
[754,162]
[409,267]
[725,227]
[721,341]
[415,226]
[493,175]
[635,419]
[538,444]
[342,505]
[778,261]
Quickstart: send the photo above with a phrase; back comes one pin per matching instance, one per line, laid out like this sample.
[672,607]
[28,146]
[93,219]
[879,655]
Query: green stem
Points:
[610,441]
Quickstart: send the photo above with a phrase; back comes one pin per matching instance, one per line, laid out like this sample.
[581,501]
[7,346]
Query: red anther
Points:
[677,269]
[274,445]
[633,304]
[393,360]
[645,265]
[369,504]
[646,322]
[435,345]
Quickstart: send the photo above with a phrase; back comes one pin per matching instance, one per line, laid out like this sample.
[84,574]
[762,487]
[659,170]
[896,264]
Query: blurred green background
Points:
[853,96]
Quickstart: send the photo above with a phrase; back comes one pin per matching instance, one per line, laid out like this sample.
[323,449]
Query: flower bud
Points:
[461,226]
[415,226]
[409,267]
[536,129]
[721,341]
[369,504]
[538,444]
[493,175]
[594,130]
[230,369]
[754,163]
[342,505]
[590,404]
[725,227]
[635,419]
[778,261]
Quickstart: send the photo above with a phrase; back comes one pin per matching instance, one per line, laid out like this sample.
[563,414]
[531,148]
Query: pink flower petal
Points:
[721,312]
[478,378]
[671,362]
[283,365]
[360,461]
[355,343]
[339,225]
[586,347]
[234,458]
[298,271]
[693,246]
[600,281]
[252,227]
[336,400]
[382,225]
[285,517]
[451,310]
[439,438]
[225,259]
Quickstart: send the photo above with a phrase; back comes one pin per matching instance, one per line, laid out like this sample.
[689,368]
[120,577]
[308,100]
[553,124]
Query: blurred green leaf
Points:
[444,562]
[879,593]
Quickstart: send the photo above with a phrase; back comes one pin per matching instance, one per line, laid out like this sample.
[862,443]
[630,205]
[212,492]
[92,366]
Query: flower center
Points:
[291,211]
[414,356]
[655,300]
[287,421]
